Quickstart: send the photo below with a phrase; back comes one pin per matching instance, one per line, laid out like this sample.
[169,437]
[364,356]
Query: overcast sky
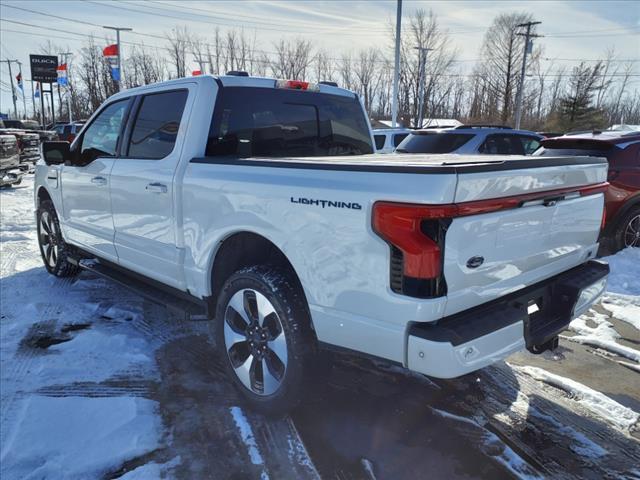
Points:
[573,30]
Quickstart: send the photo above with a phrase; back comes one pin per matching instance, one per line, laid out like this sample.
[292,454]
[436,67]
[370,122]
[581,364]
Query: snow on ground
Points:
[622,300]
[56,422]
[625,272]
[597,403]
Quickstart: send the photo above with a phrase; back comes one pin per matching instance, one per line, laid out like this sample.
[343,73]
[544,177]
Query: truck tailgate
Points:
[552,227]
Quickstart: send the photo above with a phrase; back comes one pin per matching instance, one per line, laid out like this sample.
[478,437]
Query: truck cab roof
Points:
[238,81]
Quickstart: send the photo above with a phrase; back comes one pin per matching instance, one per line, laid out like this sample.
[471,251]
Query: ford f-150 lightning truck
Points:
[257,205]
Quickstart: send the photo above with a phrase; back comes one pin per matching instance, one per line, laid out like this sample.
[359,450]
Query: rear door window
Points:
[398,138]
[156,125]
[433,142]
[500,144]
[529,144]
[277,123]
[379,139]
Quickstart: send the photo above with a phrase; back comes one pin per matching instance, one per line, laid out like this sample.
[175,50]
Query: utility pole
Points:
[118,30]
[422,56]
[528,46]
[24,101]
[396,73]
[13,90]
[63,56]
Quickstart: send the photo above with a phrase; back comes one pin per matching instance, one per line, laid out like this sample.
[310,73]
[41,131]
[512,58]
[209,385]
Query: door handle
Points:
[156,188]
[99,180]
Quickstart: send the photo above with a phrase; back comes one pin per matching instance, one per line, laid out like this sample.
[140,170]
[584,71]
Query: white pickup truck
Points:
[257,205]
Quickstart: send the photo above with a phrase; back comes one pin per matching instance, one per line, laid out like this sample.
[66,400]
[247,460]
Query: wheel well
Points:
[246,249]
[43,195]
[611,226]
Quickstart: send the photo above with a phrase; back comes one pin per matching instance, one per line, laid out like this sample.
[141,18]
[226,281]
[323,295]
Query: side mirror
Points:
[56,153]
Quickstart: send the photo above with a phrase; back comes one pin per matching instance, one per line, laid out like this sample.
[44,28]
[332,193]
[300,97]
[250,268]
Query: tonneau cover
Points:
[409,163]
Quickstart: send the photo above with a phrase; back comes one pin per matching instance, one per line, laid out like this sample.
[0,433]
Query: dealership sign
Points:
[44,68]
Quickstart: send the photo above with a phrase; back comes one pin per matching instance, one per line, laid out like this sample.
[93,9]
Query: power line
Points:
[251,59]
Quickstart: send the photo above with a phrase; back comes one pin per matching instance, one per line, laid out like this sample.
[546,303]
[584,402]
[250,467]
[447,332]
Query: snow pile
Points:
[593,401]
[602,336]
[624,307]
[492,446]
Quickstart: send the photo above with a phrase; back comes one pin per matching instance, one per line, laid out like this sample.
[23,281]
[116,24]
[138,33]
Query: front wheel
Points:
[53,249]
[263,326]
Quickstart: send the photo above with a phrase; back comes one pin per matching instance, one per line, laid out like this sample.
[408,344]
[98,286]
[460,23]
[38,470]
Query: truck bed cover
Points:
[408,163]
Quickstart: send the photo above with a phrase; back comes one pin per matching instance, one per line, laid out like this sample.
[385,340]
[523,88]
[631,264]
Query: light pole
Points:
[118,30]
[423,61]
[13,90]
[396,73]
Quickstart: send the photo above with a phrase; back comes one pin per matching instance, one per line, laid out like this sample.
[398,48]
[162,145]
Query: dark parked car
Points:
[32,126]
[10,173]
[68,131]
[622,150]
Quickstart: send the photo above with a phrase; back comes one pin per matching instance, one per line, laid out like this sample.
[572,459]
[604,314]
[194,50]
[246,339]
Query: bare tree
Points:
[324,67]
[502,52]
[179,43]
[293,58]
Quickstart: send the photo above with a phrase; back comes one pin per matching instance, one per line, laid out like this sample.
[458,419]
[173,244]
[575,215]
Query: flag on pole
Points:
[62,75]
[111,53]
[19,80]
[36,94]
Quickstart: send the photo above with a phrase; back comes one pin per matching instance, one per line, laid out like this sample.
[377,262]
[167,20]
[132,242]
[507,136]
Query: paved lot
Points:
[90,371]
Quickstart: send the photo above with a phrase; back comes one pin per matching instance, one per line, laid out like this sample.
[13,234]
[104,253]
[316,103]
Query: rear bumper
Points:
[530,318]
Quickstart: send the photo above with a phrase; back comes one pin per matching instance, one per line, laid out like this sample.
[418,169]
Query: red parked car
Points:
[622,200]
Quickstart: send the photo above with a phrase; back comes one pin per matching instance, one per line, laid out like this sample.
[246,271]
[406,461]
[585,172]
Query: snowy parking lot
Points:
[99,383]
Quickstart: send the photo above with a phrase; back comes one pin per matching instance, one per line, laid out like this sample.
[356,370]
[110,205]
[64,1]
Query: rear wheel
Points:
[263,326]
[53,248]
[628,232]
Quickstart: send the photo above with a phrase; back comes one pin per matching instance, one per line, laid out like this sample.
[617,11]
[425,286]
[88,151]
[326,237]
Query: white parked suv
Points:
[387,139]
[472,140]
[256,205]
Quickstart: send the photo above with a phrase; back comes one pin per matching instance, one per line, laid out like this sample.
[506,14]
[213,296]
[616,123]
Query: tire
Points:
[627,233]
[263,333]
[53,249]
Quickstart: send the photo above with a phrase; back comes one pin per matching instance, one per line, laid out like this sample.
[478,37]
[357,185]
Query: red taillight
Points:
[297,85]
[401,226]
[604,218]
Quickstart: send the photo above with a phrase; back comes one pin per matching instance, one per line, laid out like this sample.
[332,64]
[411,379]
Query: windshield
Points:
[433,142]
[279,123]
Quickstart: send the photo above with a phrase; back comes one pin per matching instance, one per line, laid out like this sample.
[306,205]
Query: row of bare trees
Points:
[588,95]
